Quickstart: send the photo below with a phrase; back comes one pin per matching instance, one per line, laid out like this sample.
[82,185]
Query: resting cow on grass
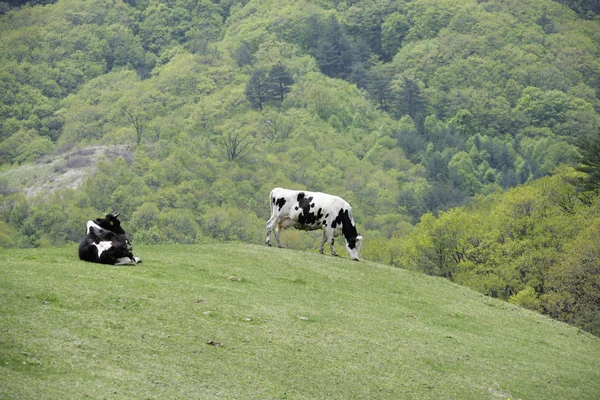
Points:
[311,211]
[105,242]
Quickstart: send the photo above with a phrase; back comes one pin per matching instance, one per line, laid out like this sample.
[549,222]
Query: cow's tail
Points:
[271,201]
[272,195]
[270,221]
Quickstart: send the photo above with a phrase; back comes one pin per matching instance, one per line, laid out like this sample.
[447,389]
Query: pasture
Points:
[238,321]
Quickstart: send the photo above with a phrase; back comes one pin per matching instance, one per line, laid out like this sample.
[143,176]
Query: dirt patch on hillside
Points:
[67,170]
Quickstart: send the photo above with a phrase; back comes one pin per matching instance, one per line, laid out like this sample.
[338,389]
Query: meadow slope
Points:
[250,322]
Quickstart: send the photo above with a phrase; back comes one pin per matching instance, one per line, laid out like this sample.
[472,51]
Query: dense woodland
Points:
[452,127]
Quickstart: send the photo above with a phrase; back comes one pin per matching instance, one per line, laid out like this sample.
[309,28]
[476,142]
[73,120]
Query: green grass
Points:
[292,324]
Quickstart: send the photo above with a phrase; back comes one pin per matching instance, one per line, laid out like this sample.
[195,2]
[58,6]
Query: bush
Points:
[527,298]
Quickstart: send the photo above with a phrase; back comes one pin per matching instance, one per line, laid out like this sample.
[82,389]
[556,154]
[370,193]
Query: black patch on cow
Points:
[102,235]
[307,217]
[280,202]
[348,228]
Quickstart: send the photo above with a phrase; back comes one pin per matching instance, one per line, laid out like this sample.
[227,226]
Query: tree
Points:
[138,121]
[379,86]
[544,108]
[574,282]
[546,23]
[409,99]
[257,89]
[279,82]
[589,161]
[333,51]
[393,30]
[277,126]
[125,49]
[244,54]
[263,87]
[237,142]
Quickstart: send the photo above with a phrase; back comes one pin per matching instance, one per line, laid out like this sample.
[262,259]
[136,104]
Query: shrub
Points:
[527,298]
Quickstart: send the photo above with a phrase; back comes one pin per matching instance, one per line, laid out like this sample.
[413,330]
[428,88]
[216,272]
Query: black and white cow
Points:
[311,211]
[105,242]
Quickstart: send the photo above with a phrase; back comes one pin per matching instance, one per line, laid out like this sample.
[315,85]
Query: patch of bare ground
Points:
[69,169]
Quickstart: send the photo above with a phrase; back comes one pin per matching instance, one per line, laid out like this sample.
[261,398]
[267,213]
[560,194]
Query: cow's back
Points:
[305,208]
[85,251]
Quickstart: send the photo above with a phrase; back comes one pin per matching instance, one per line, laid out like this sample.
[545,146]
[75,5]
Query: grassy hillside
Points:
[399,107]
[242,321]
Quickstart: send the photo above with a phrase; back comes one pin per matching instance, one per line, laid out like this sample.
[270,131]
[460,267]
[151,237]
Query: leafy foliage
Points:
[589,148]
[531,245]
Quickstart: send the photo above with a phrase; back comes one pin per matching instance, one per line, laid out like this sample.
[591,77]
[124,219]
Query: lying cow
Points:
[105,242]
[311,211]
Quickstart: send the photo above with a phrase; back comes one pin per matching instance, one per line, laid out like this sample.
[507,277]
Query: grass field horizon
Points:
[250,322]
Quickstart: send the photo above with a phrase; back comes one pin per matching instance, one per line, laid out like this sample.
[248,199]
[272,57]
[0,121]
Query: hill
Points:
[242,321]
[399,107]
[406,109]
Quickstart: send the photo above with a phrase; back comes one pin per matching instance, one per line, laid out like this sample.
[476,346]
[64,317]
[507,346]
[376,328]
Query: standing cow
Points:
[105,242]
[311,211]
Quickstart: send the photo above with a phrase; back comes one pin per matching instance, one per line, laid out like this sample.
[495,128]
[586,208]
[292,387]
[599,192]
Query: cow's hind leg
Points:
[124,261]
[322,248]
[277,238]
[270,224]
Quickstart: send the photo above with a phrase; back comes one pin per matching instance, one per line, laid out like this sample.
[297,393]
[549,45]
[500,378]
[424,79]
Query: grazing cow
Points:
[311,211]
[105,242]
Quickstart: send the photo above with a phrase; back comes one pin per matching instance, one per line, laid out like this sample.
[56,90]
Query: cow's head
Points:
[110,222]
[353,247]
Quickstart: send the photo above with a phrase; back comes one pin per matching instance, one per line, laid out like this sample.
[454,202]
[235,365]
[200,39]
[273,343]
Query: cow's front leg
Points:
[331,241]
[333,252]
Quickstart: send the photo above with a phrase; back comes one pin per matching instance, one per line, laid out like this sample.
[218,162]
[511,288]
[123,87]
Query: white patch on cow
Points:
[102,246]
[91,224]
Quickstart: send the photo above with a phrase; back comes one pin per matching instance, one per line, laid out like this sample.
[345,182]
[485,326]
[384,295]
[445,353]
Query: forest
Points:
[454,128]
